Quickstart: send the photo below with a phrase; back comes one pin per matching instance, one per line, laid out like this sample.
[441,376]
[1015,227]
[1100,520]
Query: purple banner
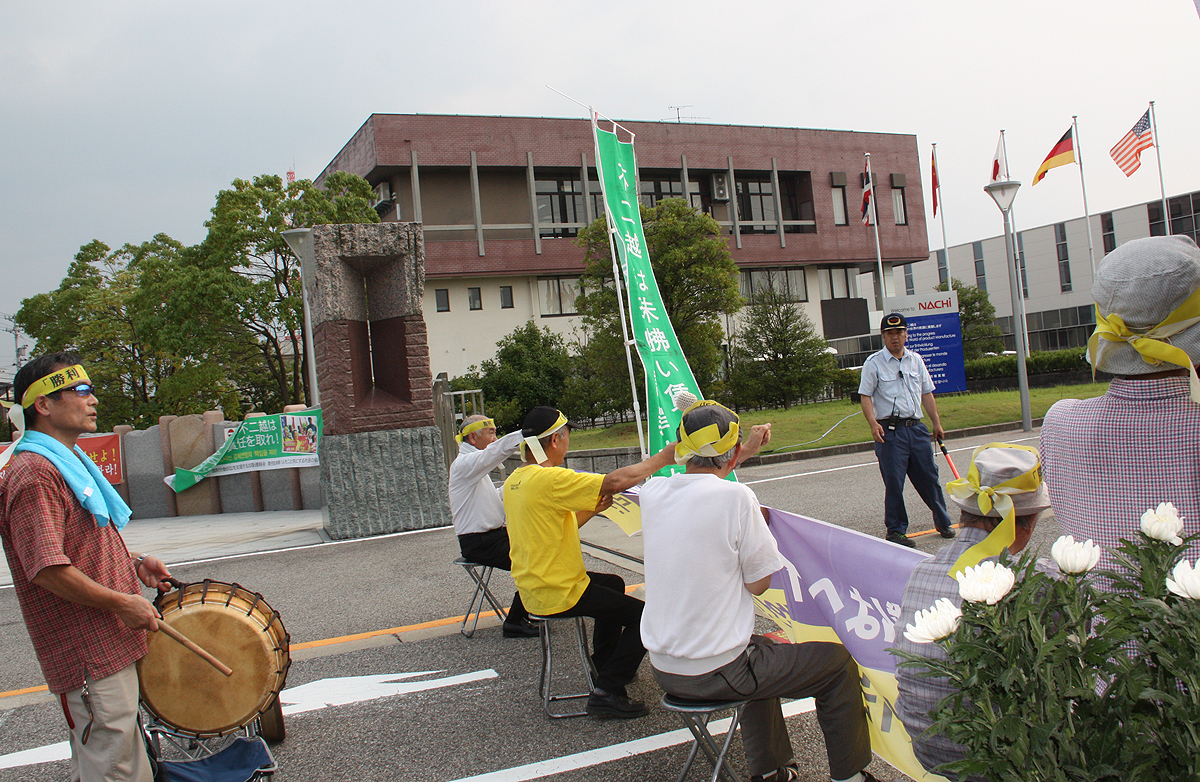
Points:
[844,580]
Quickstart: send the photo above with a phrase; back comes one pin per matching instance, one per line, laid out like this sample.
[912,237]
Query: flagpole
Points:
[1158,154]
[618,281]
[1015,259]
[1087,217]
[945,245]
[875,220]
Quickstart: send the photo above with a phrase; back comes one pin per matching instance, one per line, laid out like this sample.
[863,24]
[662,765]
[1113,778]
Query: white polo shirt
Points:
[475,503]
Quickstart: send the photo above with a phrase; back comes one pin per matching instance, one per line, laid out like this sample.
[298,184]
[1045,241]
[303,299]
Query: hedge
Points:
[1039,362]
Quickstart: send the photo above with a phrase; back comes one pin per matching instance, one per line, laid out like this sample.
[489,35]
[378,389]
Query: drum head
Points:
[181,689]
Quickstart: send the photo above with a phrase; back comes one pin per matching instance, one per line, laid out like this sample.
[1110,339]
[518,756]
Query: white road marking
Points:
[595,757]
[321,694]
[865,464]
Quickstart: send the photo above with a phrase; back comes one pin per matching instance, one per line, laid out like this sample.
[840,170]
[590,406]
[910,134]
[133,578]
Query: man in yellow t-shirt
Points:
[545,505]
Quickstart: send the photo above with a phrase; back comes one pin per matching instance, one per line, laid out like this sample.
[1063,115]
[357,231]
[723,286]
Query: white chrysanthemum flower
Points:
[1163,523]
[1073,557]
[986,582]
[934,623]
[1185,580]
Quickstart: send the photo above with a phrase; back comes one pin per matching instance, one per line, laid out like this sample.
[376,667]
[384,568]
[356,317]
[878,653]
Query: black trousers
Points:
[491,548]
[617,647]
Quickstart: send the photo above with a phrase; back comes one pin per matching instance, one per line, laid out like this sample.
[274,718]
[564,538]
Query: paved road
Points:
[390,590]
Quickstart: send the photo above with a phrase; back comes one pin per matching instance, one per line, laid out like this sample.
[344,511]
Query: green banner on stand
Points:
[271,442]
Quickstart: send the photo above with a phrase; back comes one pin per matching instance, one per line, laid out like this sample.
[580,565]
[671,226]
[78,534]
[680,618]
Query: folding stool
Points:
[482,576]
[589,671]
[695,715]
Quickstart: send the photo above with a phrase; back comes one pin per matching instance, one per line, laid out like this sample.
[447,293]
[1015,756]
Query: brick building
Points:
[502,198]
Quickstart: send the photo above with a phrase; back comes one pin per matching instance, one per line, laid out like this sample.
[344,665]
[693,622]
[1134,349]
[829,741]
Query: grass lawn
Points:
[808,422]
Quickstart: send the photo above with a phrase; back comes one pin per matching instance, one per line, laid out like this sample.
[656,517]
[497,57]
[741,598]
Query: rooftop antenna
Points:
[678,114]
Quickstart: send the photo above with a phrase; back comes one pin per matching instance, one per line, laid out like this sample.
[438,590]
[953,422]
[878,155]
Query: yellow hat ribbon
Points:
[474,427]
[708,440]
[535,447]
[999,496]
[1152,344]
[55,381]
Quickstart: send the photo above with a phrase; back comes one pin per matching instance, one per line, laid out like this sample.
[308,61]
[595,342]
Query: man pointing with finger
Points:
[76,581]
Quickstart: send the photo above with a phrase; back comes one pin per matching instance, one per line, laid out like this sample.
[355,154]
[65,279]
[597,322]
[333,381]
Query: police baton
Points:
[946,453]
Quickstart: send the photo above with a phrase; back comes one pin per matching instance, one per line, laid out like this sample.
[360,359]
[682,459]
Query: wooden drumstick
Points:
[190,644]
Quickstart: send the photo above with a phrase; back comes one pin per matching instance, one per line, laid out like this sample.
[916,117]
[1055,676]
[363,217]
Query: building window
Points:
[836,283]
[474,299]
[756,203]
[980,271]
[1107,233]
[557,295]
[442,297]
[839,205]
[943,269]
[1185,215]
[898,207]
[909,287]
[1021,259]
[559,201]
[1064,264]
[789,282]
[1154,214]
[506,300]
[654,187]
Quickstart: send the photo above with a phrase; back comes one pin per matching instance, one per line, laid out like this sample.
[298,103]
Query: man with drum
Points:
[477,509]
[546,504]
[76,581]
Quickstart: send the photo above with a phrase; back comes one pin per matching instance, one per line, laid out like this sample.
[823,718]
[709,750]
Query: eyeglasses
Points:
[82,390]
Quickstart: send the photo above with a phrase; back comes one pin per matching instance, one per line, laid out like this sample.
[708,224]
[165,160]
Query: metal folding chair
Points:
[482,576]
[695,715]
[544,682]
[231,758]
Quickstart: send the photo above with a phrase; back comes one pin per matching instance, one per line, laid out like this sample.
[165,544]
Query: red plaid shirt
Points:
[42,524]
[1110,458]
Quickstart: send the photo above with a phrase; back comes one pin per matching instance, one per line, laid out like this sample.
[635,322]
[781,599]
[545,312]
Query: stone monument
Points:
[382,467]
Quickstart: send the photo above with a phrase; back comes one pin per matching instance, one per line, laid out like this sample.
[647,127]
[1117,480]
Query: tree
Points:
[697,279]
[778,356]
[109,310]
[245,284]
[980,334]
[530,369]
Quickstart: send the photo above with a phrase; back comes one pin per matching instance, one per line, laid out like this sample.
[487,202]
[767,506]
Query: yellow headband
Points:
[1152,345]
[1000,495]
[708,440]
[532,441]
[55,381]
[474,427]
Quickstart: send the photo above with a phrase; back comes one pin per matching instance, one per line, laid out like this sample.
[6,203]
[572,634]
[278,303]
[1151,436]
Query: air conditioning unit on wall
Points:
[383,194]
[720,187]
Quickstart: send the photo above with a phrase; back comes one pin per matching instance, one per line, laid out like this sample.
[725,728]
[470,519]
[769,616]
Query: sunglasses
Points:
[82,390]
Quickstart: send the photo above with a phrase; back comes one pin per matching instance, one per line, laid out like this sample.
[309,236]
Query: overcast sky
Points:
[123,119]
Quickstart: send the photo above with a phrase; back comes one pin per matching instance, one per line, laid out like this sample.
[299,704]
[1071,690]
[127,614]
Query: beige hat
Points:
[1143,282]
[994,465]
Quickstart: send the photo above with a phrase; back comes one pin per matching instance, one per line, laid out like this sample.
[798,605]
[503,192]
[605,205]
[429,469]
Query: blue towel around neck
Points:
[84,478]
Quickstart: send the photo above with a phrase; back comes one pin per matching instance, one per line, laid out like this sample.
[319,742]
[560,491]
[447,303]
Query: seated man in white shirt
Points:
[708,550]
[478,510]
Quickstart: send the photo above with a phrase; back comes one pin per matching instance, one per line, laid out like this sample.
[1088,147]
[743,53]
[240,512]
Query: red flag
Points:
[1127,154]
[935,183]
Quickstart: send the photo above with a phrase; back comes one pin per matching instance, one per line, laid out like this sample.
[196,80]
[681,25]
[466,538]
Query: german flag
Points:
[1062,154]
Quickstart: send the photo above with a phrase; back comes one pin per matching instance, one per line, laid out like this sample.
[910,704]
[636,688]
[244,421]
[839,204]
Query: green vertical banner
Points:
[667,370]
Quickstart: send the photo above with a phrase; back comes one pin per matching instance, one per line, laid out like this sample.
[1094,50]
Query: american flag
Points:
[867,190]
[1127,154]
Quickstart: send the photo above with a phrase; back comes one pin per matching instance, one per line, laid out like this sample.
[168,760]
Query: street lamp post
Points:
[299,240]
[1003,193]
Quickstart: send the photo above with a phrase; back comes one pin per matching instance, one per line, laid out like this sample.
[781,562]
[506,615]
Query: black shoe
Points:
[523,629]
[901,538]
[618,707]
[781,774]
[947,532]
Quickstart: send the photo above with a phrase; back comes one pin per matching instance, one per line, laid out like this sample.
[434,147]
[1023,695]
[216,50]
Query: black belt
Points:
[892,423]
